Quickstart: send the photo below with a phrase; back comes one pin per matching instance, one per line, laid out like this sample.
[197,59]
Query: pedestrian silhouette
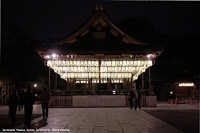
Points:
[45,97]
[137,99]
[13,101]
[130,98]
[21,95]
[28,100]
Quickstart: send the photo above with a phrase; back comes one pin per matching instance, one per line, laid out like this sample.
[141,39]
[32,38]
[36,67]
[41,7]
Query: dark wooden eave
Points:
[116,41]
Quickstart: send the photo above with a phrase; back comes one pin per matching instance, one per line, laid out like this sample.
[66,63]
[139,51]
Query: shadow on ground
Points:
[39,124]
[5,122]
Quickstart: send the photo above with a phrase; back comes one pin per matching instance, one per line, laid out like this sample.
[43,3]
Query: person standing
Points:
[45,98]
[21,94]
[130,98]
[28,100]
[13,102]
[137,99]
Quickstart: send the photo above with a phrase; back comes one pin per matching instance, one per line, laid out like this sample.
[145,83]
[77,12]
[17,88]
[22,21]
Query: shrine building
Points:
[99,52]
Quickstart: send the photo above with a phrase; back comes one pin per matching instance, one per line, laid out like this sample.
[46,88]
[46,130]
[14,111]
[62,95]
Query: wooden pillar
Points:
[109,84]
[68,84]
[124,85]
[89,85]
[49,78]
[99,71]
[142,89]
[56,81]
[131,84]
[149,78]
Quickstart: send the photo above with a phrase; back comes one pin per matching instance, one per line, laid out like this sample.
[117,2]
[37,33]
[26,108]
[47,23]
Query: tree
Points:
[20,62]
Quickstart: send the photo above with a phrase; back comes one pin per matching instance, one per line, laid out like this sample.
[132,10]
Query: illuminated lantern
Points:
[131,63]
[120,63]
[49,63]
[108,75]
[89,63]
[113,63]
[116,69]
[143,69]
[117,63]
[105,75]
[135,63]
[149,63]
[97,75]
[67,63]
[116,75]
[68,75]
[81,63]
[93,69]
[109,63]
[78,62]
[76,75]
[119,75]
[128,63]
[102,63]
[124,63]
[97,63]
[112,75]
[90,75]
[72,75]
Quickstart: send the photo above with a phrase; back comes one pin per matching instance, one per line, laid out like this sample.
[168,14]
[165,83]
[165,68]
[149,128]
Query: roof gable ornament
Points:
[99,8]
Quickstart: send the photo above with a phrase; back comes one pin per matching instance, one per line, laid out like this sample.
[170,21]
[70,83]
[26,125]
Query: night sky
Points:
[57,18]
[177,23]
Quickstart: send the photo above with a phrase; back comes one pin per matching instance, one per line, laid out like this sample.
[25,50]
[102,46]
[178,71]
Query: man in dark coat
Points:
[45,97]
[130,98]
[137,99]
[28,100]
[13,101]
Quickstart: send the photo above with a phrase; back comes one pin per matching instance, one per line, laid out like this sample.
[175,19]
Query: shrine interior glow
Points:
[99,70]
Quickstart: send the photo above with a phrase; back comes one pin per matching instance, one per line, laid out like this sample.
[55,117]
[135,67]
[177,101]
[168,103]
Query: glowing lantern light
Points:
[186,84]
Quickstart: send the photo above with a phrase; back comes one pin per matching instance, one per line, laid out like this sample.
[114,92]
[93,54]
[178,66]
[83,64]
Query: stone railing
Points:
[60,101]
[99,101]
[145,101]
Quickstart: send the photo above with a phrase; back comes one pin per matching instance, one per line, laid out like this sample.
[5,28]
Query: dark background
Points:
[37,22]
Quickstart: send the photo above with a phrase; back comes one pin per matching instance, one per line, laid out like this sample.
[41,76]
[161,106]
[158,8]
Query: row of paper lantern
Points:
[72,63]
[96,75]
[96,69]
[124,63]
[102,81]
[54,63]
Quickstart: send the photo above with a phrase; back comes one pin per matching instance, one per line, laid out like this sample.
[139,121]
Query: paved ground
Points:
[185,120]
[182,116]
[99,120]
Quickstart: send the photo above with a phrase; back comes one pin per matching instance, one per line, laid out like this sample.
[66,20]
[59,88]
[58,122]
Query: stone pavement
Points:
[100,120]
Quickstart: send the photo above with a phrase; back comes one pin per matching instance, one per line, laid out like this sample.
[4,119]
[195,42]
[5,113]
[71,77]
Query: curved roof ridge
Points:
[98,13]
